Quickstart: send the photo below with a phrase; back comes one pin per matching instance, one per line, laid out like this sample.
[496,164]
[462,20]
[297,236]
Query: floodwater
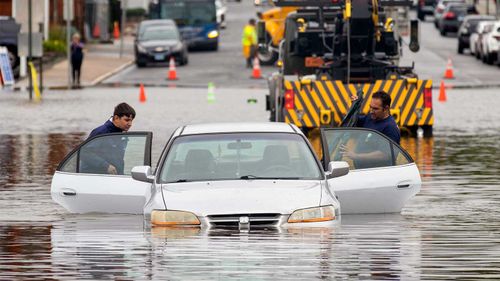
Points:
[449,231]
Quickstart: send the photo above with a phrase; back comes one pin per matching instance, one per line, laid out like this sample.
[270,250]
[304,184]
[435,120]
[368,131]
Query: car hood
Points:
[242,196]
[159,43]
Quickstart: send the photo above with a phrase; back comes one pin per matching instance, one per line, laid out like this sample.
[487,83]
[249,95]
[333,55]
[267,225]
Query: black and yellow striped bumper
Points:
[325,103]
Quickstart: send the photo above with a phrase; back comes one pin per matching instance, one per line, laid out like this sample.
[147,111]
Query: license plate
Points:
[160,57]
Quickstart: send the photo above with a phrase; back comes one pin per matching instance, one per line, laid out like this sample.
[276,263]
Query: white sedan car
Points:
[237,175]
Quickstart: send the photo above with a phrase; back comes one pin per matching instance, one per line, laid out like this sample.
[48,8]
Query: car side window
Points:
[363,149]
[114,154]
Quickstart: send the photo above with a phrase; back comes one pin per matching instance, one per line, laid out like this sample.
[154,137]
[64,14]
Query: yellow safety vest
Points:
[249,36]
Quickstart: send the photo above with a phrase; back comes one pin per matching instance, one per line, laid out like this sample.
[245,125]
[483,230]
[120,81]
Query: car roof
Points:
[479,17]
[158,21]
[240,127]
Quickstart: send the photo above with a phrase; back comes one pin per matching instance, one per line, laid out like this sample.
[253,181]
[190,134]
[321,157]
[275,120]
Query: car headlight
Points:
[213,34]
[176,47]
[172,218]
[317,214]
[141,49]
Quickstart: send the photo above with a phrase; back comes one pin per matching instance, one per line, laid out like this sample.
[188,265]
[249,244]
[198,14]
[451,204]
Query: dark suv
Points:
[8,38]
[425,7]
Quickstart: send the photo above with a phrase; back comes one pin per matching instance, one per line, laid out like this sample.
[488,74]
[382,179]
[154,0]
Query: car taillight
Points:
[449,15]
[289,99]
[497,37]
[428,97]
[421,2]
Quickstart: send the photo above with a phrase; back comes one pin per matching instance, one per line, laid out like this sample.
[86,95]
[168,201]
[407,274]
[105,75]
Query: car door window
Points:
[109,154]
[363,148]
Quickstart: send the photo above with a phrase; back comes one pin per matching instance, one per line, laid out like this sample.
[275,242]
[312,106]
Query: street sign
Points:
[66,9]
[5,67]
[36,44]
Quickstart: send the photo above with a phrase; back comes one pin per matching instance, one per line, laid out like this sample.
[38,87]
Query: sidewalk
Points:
[100,61]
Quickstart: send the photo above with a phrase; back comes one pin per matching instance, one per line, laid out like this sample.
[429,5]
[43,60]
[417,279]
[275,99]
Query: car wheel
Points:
[436,24]
[420,16]
[185,60]
[140,64]
[489,59]
[442,32]
[460,48]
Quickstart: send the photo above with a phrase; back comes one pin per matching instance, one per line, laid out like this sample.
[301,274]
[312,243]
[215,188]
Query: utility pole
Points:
[68,38]
[29,49]
[122,24]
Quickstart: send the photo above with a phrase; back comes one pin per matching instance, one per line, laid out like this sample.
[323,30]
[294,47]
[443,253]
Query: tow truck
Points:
[335,49]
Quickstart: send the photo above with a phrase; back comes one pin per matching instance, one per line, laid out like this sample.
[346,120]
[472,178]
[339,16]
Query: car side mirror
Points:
[337,169]
[143,173]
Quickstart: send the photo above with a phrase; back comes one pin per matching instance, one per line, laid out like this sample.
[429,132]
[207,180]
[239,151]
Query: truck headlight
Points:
[141,49]
[213,34]
[317,214]
[172,218]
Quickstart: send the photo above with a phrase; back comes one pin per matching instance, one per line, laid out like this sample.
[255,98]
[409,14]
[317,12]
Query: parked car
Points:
[467,32]
[262,174]
[425,8]
[439,9]
[158,43]
[452,18]
[220,10]
[491,43]
[482,29]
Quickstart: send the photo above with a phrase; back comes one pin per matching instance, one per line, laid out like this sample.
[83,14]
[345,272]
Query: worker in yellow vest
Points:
[249,42]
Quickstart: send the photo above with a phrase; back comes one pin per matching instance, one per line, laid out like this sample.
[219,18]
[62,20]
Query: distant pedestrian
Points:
[107,156]
[249,42]
[76,59]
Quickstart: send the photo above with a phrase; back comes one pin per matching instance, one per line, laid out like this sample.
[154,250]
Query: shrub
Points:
[56,46]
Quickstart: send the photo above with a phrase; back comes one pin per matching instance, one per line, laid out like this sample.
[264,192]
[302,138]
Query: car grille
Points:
[256,220]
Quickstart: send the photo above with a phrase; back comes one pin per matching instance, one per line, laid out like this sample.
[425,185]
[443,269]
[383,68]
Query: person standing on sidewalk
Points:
[249,42]
[76,59]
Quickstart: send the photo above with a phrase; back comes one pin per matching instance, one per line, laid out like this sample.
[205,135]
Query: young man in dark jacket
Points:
[106,156]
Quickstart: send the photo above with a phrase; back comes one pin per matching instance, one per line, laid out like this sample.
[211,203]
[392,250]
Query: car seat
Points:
[199,164]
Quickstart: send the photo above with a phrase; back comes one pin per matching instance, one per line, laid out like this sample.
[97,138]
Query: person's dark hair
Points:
[251,21]
[384,97]
[123,109]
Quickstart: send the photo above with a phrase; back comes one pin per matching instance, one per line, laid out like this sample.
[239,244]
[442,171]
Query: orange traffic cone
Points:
[256,69]
[442,92]
[142,94]
[97,31]
[172,73]
[448,74]
[116,30]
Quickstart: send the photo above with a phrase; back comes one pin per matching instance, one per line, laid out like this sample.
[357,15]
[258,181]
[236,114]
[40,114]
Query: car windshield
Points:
[160,33]
[235,156]
[189,12]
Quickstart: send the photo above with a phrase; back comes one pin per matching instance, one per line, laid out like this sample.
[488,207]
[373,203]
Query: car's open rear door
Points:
[84,181]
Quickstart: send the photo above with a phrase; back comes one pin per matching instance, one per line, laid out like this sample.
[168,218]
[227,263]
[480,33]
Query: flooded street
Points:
[449,231]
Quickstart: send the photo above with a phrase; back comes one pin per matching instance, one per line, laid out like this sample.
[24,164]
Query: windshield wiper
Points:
[182,180]
[248,177]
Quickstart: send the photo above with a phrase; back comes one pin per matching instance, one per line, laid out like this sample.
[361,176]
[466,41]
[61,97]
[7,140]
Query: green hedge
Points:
[56,46]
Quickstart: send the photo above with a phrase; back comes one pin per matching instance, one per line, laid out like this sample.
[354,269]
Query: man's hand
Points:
[112,170]
[354,98]
[347,153]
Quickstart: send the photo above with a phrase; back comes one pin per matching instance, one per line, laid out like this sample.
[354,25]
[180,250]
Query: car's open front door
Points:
[382,176]
[95,176]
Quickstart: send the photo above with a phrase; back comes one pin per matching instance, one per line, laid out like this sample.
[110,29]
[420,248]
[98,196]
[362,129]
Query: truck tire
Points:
[267,56]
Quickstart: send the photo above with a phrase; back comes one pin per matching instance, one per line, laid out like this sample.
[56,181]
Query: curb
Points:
[111,73]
